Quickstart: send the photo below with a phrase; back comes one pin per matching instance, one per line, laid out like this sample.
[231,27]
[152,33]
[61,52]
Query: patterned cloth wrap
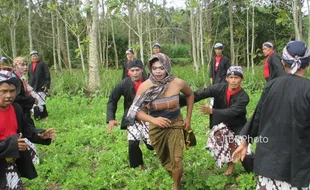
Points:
[222,142]
[12,175]
[265,183]
[139,131]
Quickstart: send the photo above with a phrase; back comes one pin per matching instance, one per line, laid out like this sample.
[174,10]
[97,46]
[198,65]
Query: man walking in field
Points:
[139,130]
[228,117]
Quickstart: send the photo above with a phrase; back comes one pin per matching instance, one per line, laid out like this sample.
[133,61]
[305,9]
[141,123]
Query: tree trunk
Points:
[81,52]
[201,36]
[114,44]
[192,29]
[140,33]
[68,46]
[231,29]
[94,77]
[209,30]
[58,44]
[308,5]
[99,43]
[197,38]
[104,40]
[13,40]
[296,5]
[29,26]
[13,31]
[148,28]
[107,44]
[300,18]
[54,44]
[253,35]
[130,12]
[247,39]
[237,52]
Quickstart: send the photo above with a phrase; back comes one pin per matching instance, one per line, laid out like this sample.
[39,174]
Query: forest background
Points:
[84,43]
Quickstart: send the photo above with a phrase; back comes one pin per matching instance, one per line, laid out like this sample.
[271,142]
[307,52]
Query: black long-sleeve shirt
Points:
[234,116]
[9,148]
[282,122]
[125,88]
[219,76]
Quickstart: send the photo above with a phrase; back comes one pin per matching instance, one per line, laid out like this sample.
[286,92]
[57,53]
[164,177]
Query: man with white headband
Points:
[219,65]
[228,117]
[281,121]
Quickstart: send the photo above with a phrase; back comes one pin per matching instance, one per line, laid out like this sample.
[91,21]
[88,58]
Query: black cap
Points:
[135,63]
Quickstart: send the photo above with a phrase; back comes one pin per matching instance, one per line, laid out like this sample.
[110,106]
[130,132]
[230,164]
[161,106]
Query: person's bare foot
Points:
[229,169]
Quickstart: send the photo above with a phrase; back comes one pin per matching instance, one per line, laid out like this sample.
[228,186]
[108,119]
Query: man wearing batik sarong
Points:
[17,153]
[160,93]
[281,123]
[139,130]
[228,117]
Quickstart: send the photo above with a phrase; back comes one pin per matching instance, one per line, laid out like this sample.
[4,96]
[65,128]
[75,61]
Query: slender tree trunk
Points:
[296,19]
[139,26]
[308,5]
[253,35]
[300,18]
[54,44]
[94,77]
[104,41]
[201,35]
[13,31]
[237,52]
[231,29]
[247,39]
[58,44]
[99,43]
[13,40]
[148,28]
[107,43]
[209,30]
[114,44]
[68,46]
[29,26]
[192,29]
[81,52]
[129,29]
[197,38]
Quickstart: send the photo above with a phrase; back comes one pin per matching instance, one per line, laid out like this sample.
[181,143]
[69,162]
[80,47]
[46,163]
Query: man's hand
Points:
[112,124]
[205,109]
[22,145]
[45,89]
[161,122]
[240,152]
[36,101]
[187,124]
[48,134]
